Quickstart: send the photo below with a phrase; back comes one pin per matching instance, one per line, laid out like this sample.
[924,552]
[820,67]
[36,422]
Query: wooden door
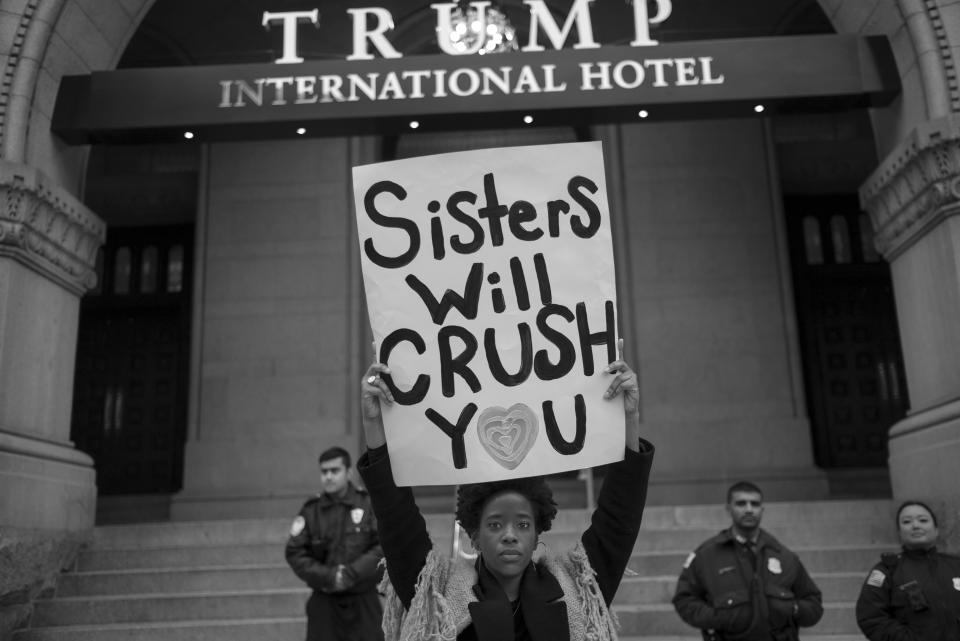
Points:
[853,367]
[130,389]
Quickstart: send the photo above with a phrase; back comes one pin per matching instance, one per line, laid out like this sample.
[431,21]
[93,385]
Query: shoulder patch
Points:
[876,579]
[297,526]
[689,559]
[774,565]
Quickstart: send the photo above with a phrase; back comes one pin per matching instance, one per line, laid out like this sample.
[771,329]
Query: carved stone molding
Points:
[916,187]
[47,229]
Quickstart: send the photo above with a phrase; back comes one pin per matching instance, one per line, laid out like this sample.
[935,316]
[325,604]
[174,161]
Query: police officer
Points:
[334,548]
[743,584]
[914,595]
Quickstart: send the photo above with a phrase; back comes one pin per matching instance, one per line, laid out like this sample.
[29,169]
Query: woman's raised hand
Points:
[373,392]
[626,383]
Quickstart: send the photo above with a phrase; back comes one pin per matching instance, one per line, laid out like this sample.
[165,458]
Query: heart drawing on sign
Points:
[507,434]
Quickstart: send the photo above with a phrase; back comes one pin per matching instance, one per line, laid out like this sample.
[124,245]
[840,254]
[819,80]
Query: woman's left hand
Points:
[625,382]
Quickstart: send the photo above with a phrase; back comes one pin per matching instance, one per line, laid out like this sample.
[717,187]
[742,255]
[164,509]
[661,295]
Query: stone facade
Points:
[48,240]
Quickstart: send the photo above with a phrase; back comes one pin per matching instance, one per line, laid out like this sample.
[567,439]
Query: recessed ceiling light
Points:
[643,113]
[301,131]
[758,108]
[414,124]
[188,135]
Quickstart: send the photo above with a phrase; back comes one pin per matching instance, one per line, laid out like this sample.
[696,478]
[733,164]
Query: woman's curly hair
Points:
[473,497]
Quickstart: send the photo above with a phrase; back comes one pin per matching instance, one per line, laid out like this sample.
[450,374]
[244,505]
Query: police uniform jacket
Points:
[911,596]
[731,592]
[332,531]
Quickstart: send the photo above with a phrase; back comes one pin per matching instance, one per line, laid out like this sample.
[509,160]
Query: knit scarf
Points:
[440,611]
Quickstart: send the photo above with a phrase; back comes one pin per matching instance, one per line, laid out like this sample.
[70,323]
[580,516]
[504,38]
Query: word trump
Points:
[371,24]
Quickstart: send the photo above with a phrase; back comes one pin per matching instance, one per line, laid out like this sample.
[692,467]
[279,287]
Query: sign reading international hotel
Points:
[560,68]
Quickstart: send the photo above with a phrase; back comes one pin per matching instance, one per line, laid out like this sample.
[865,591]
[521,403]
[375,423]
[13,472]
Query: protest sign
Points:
[491,291]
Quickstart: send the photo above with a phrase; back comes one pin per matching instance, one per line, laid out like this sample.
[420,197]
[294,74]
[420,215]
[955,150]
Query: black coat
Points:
[911,596]
[719,590]
[608,542]
[327,533]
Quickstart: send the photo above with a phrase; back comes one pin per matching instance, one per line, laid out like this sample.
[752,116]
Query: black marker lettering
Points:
[561,445]
[459,365]
[420,388]
[587,340]
[466,304]
[593,212]
[493,211]
[407,225]
[545,370]
[455,432]
[496,365]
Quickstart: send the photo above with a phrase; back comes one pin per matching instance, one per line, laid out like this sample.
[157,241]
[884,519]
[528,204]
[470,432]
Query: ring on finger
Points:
[372,380]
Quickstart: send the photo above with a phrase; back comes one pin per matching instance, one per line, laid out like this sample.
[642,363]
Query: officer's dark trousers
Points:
[346,617]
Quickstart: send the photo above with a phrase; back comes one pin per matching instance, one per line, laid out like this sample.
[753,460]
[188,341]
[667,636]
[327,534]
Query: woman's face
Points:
[917,529]
[507,535]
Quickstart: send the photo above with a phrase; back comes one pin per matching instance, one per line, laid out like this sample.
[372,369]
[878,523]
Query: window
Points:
[121,271]
[812,242]
[840,235]
[148,270]
[175,269]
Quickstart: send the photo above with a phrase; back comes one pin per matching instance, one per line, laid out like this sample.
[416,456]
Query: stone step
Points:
[185,579]
[203,533]
[97,560]
[805,635]
[785,516]
[638,587]
[801,535]
[775,515]
[275,629]
[180,606]
[815,560]
[179,610]
[264,629]
[838,587]
[649,558]
[662,620]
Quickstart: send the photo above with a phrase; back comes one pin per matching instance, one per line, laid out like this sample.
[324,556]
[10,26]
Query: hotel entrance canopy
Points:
[381,96]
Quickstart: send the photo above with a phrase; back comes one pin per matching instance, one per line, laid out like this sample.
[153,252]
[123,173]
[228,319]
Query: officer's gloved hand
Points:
[339,579]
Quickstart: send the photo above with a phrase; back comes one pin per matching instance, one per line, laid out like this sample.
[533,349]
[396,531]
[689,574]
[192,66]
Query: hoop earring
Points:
[540,555]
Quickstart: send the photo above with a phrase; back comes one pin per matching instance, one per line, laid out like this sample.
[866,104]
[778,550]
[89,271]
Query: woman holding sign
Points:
[504,594]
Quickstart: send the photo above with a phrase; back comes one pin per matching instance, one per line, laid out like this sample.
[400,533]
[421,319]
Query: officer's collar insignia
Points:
[357,515]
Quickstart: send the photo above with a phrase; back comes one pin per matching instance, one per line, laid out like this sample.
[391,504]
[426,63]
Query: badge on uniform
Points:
[297,527]
[357,515]
[877,578]
[774,566]
[956,583]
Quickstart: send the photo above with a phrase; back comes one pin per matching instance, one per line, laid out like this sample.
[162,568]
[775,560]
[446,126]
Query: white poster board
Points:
[491,291]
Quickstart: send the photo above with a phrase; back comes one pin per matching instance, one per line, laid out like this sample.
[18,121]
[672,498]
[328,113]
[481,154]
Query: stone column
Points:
[913,199]
[48,244]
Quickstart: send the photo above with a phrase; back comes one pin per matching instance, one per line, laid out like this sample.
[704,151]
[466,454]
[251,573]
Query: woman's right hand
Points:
[374,392]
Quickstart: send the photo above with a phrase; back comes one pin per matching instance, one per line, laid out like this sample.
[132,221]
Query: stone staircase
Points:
[227,580]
